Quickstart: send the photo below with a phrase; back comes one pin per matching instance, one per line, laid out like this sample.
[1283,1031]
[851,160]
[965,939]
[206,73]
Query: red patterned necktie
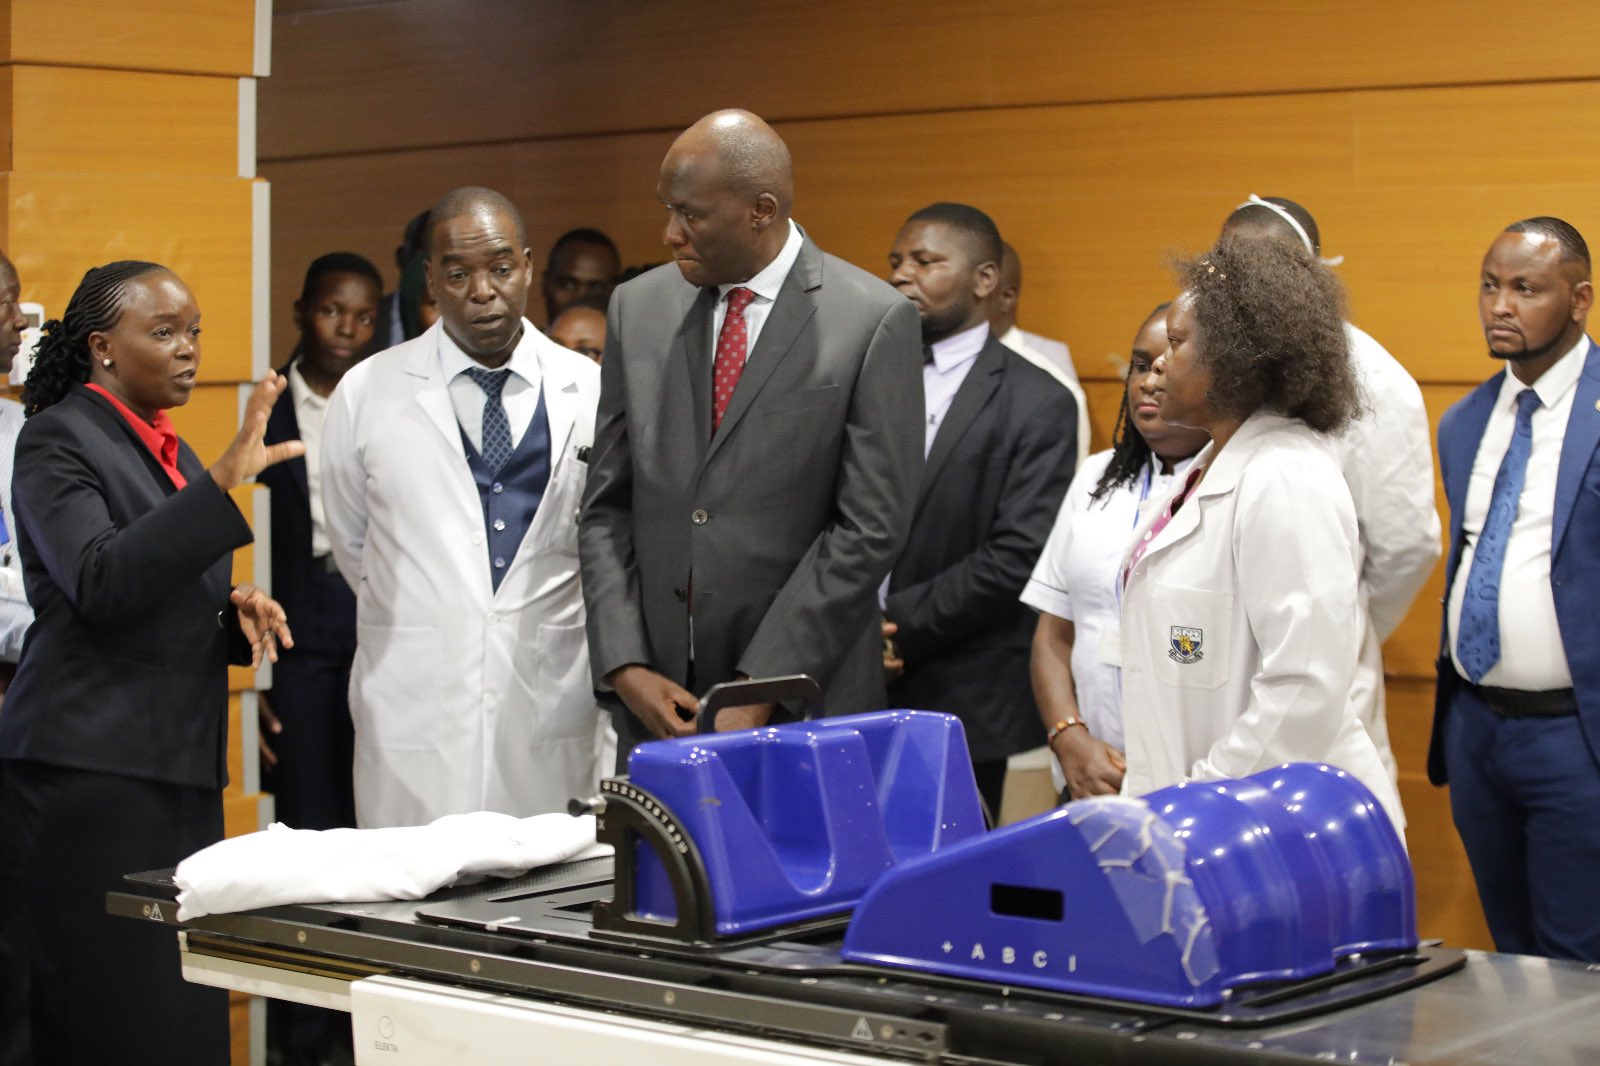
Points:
[733,345]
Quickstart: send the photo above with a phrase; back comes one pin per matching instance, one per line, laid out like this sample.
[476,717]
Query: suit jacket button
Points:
[699,518]
[679,595]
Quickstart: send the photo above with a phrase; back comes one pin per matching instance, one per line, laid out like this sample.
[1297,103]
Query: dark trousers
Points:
[312,783]
[312,788]
[109,989]
[14,1043]
[1523,792]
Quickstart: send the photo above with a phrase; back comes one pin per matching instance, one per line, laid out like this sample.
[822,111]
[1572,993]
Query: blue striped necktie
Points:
[1478,631]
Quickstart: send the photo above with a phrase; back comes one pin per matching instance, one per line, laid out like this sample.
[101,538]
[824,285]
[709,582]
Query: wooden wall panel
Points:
[1447,899]
[210,419]
[125,120]
[614,65]
[125,127]
[192,36]
[61,224]
[1098,198]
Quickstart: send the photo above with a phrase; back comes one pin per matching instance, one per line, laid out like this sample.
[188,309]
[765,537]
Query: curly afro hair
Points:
[1270,324]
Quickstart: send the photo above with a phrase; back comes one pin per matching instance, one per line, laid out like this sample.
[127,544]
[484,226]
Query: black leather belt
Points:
[1520,703]
[326,562]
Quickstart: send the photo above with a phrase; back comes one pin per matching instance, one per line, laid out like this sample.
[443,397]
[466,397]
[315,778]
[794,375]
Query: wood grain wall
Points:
[129,133]
[1103,137]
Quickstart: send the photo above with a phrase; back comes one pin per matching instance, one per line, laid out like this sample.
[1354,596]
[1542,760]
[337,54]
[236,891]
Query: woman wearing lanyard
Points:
[1075,585]
[1239,613]
[114,731]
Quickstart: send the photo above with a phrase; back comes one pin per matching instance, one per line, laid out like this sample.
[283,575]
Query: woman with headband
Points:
[1075,586]
[1239,626]
[114,732]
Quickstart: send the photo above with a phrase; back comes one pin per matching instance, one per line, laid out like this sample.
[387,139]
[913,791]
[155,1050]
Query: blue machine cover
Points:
[795,821]
[1173,899]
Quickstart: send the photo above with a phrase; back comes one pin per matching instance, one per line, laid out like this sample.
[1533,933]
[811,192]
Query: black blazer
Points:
[999,465]
[320,605]
[125,667]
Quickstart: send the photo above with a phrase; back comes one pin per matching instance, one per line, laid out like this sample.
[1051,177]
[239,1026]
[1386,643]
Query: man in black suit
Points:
[307,736]
[307,741]
[756,451]
[1001,441]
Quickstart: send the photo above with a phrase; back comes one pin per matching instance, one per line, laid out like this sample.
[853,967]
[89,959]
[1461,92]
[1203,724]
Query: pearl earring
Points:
[106,363]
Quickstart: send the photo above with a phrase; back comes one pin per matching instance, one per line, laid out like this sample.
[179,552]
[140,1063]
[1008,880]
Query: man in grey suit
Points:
[757,452]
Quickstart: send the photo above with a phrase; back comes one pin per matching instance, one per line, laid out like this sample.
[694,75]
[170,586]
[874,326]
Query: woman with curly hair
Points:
[114,731]
[1240,630]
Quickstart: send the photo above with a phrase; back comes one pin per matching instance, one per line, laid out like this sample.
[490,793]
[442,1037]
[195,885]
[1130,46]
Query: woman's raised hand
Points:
[247,456]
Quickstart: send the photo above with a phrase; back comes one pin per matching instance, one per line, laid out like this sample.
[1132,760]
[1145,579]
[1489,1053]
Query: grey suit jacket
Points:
[784,522]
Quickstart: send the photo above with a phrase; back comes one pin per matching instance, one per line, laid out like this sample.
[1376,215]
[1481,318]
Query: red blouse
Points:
[157,435]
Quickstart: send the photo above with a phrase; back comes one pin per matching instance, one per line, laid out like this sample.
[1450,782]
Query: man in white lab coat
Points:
[452,469]
[1387,462]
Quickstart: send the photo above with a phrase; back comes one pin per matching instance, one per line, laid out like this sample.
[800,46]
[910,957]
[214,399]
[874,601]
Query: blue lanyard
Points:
[1144,494]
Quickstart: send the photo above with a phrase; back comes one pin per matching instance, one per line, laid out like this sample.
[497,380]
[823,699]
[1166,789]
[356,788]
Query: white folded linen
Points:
[282,865]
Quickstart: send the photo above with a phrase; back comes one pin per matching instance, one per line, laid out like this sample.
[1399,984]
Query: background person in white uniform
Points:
[451,496]
[1050,356]
[1240,616]
[1387,462]
[1074,586]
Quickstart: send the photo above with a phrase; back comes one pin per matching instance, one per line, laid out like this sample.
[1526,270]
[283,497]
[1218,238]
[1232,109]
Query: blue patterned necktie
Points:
[496,446]
[1478,632]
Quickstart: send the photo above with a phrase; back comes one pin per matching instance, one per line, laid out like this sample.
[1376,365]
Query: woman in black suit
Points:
[114,731]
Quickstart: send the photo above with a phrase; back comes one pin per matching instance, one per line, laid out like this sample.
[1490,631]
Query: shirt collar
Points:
[157,434]
[1179,468]
[524,361]
[1553,384]
[960,348]
[769,280]
[304,395]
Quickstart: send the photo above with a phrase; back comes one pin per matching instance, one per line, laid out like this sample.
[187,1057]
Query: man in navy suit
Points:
[1001,441]
[1517,716]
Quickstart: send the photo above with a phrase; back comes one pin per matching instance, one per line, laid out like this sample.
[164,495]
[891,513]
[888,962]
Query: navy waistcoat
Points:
[511,498]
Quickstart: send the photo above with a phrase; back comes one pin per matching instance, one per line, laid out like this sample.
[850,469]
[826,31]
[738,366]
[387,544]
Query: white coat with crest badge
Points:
[1260,569]
[465,697]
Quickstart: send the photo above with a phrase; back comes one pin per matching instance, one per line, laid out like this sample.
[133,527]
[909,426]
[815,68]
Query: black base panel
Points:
[559,910]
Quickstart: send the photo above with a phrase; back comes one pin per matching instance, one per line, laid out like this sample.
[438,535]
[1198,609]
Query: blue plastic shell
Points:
[794,822]
[1174,899]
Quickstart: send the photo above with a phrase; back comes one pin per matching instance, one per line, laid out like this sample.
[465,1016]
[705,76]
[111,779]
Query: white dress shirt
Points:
[767,283]
[1076,578]
[310,410]
[520,396]
[942,378]
[1531,654]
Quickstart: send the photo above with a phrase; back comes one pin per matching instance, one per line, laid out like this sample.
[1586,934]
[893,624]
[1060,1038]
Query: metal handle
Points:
[759,690]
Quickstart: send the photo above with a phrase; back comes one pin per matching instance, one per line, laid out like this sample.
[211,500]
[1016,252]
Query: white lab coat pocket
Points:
[561,681]
[562,498]
[1191,630]
[397,671]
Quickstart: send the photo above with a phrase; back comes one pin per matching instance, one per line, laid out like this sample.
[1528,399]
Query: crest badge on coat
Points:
[1186,644]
